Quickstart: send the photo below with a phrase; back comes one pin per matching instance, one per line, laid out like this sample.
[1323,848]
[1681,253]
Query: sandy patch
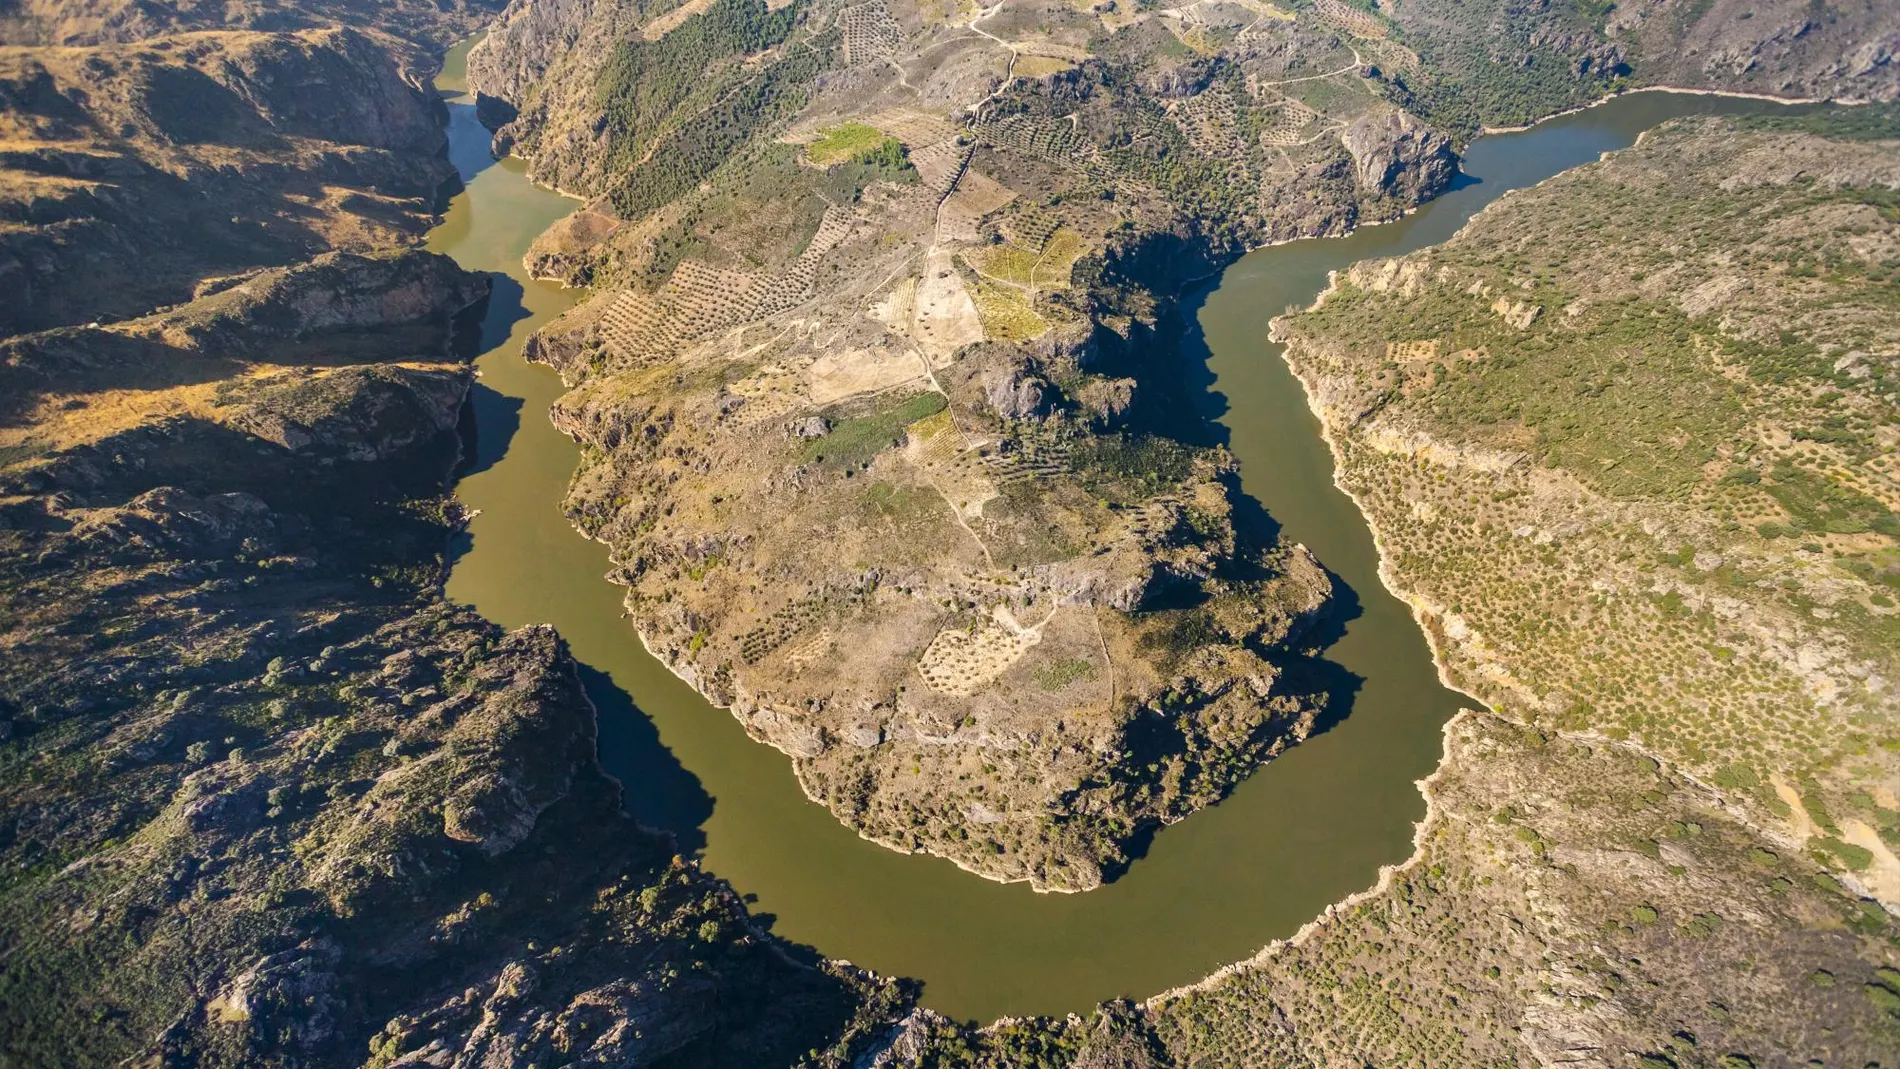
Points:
[1882,878]
[960,662]
[914,128]
[945,318]
[977,195]
[808,652]
[771,393]
[898,308]
[1803,827]
[670,21]
[835,376]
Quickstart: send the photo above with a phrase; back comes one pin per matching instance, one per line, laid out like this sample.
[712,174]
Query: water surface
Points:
[1307,830]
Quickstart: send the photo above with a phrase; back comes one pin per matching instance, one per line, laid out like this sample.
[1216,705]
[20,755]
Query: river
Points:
[1307,830]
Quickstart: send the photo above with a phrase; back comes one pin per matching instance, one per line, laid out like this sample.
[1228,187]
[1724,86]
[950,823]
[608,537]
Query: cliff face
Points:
[338,815]
[534,76]
[135,172]
[1395,155]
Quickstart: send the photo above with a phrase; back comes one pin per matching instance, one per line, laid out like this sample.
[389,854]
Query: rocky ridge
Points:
[137,173]
[339,815]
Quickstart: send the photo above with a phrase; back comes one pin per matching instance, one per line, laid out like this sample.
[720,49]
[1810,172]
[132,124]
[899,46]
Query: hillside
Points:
[914,310]
[268,799]
[417,30]
[1608,875]
[1491,63]
[136,174]
[1676,441]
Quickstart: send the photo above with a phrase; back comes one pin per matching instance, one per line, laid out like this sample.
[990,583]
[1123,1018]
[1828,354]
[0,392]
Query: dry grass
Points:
[1028,66]
[1006,314]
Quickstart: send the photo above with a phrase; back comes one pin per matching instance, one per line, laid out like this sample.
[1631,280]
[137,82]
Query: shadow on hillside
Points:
[660,792]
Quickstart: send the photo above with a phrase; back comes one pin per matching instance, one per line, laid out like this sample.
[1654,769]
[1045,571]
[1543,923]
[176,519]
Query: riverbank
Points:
[1208,891]
[1420,614]
[1845,102]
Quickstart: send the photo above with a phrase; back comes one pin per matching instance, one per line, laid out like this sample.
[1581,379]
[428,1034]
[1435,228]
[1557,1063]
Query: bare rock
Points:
[1399,156]
[809,427]
[1016,395]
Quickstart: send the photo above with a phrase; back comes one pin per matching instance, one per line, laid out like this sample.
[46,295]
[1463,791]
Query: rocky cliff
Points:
[1502,64]
[134,173]
[270,801]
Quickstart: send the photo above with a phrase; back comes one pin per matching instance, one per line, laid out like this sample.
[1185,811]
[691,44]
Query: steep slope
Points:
[268,800]
[1720,570]
[893,282]
[1607,876]
[134,173]
[417,30]
[1499,64]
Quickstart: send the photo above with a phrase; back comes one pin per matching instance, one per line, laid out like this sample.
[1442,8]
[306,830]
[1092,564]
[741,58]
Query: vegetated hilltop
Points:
[1626,442]
[268,800]
[1629,445]
[874,281]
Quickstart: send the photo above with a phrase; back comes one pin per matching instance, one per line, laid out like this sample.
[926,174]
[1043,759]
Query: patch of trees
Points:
[691,148]
[645,85]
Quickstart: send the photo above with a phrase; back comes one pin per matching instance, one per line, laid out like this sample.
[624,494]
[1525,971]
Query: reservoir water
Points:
[1308,829]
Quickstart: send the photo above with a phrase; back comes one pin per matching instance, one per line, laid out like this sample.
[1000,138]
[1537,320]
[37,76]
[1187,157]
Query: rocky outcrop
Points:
[334,292]
[479,769]
[1013,394]
[359,414]
[1396,155]
[171,524]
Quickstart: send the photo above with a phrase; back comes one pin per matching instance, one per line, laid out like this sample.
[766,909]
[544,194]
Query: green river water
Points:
[1307,830]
